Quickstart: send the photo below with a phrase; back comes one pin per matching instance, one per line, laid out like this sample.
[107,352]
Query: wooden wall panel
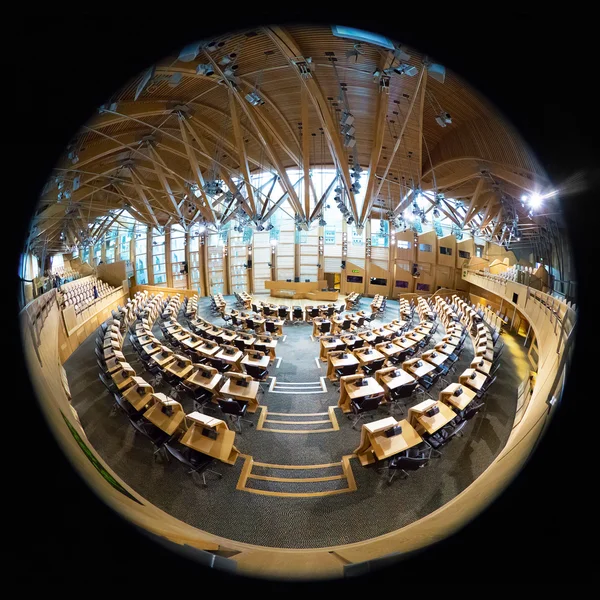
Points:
[113,273]
[465,246]
[429,238]
[348,288]
[376,271]
[447,260]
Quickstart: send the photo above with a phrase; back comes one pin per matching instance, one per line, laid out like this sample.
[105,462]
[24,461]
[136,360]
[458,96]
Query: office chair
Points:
[282,312]
[127,409]
[345,370]
[370,369]
[314,312]
[325,327]
[398,359]
[297,315]
[429,380]
[399,393]
[270,327]
[108,383]
[484,388]
[103,328]
[100,357]
[266,311]
[412,459]
[257,373]
[236,410]
[260,347]
[196,461]
[494,370]
[497,356]
[359,343]
[240,345]
[219,364]
[199,396]
[102,366]
[361,407]
[346,324]
[471,410]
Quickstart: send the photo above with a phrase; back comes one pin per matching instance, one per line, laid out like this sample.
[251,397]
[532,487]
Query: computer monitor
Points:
[434,410]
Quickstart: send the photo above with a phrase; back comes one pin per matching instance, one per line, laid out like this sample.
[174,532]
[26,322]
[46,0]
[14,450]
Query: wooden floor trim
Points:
[297,422]
[296,479]
[261,464]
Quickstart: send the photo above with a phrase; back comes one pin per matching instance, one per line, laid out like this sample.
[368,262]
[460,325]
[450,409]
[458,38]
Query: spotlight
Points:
[254,99]
[406,69]
[443,119]
[535,200]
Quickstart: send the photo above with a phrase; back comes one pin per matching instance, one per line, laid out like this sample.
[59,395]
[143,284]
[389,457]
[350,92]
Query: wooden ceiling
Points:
[187,128]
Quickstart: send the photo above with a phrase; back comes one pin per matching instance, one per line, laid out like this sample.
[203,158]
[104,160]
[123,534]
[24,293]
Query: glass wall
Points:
[178,262]
[238,257]
[159,260]
[194,264]
[215,263]
[141,254]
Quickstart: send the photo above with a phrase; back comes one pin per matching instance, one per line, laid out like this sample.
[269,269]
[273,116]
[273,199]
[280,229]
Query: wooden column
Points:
[367,258]
[226,268]
[149,264]
[188,275]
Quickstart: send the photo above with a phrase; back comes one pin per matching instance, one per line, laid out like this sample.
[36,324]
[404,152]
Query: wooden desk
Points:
[390,382]
[487,354]
[413,335]
[172,329]
[203,349]
[328,346]
[270,346]
[372,356]
[477,383]
[451,340]
[418,372]
[461,402]
[230,389]
[434,360]
[375,445]
[137,400]
[180,336]
[147,339]
[211,383]
[231,359]
[169,424]
[248,341]
[178,371]
[114,364]
[386,333]
[162,359]
[192,342]
[262,363]
[391,351]
[484,368]
[337,362]
[228,336]
[369,337]
[422,423]
[317,322]
[123,378]
[221,448]
[152,348]
[349,391]
[404,342]
[448,350]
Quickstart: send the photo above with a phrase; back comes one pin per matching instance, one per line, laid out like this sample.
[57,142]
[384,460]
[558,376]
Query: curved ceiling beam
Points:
[290,50]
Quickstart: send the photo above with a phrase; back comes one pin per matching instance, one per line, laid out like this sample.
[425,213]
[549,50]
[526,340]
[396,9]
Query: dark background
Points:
[536,67]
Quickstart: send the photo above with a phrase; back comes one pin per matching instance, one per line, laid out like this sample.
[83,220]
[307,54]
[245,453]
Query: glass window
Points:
[141,254]
[329,235]
[380,233]
[464,254]
[445,250]
[403,244]
[425,247]
[422,287]
[479,251]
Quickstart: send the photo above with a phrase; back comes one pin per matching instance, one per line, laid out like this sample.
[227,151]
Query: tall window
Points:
[111,241]
[380,233]
[159,265]
[85,254]
[125,235]
[215,262]
[194,266]
[178,256]
[141,254]
[57,262]
[97,254]
[479,251]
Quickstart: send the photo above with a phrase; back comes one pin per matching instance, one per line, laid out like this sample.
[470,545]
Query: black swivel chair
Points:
[158,437]
[485,387]
[412,459]
[361,407]
[346,324]
[358,344]
[257,373]
[282,311]
[495,369]
[100,357]
[400,393]
[266,311]
[240,345]
[325,327]
[371,368]
[270,327]
[498,355]
[345,370]
[219,364]
[236,410]
[127,409]
[196,461]
[297,314]
[108,383]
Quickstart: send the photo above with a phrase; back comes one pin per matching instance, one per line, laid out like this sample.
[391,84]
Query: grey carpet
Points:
[374,509]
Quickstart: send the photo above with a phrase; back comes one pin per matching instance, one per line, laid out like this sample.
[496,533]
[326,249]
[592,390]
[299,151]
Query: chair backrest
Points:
[107,383]
[377,364]
[230,406]
[254,371]
[410,463]
[282,312]
[325,326]
[101,366]
[349,369]
[370,402]
[297,312]
[359,343]
[269,326]
[404,391]
[240,344]
[260,347]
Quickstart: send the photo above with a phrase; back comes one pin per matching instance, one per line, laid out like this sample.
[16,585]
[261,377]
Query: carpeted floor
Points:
[302,522]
